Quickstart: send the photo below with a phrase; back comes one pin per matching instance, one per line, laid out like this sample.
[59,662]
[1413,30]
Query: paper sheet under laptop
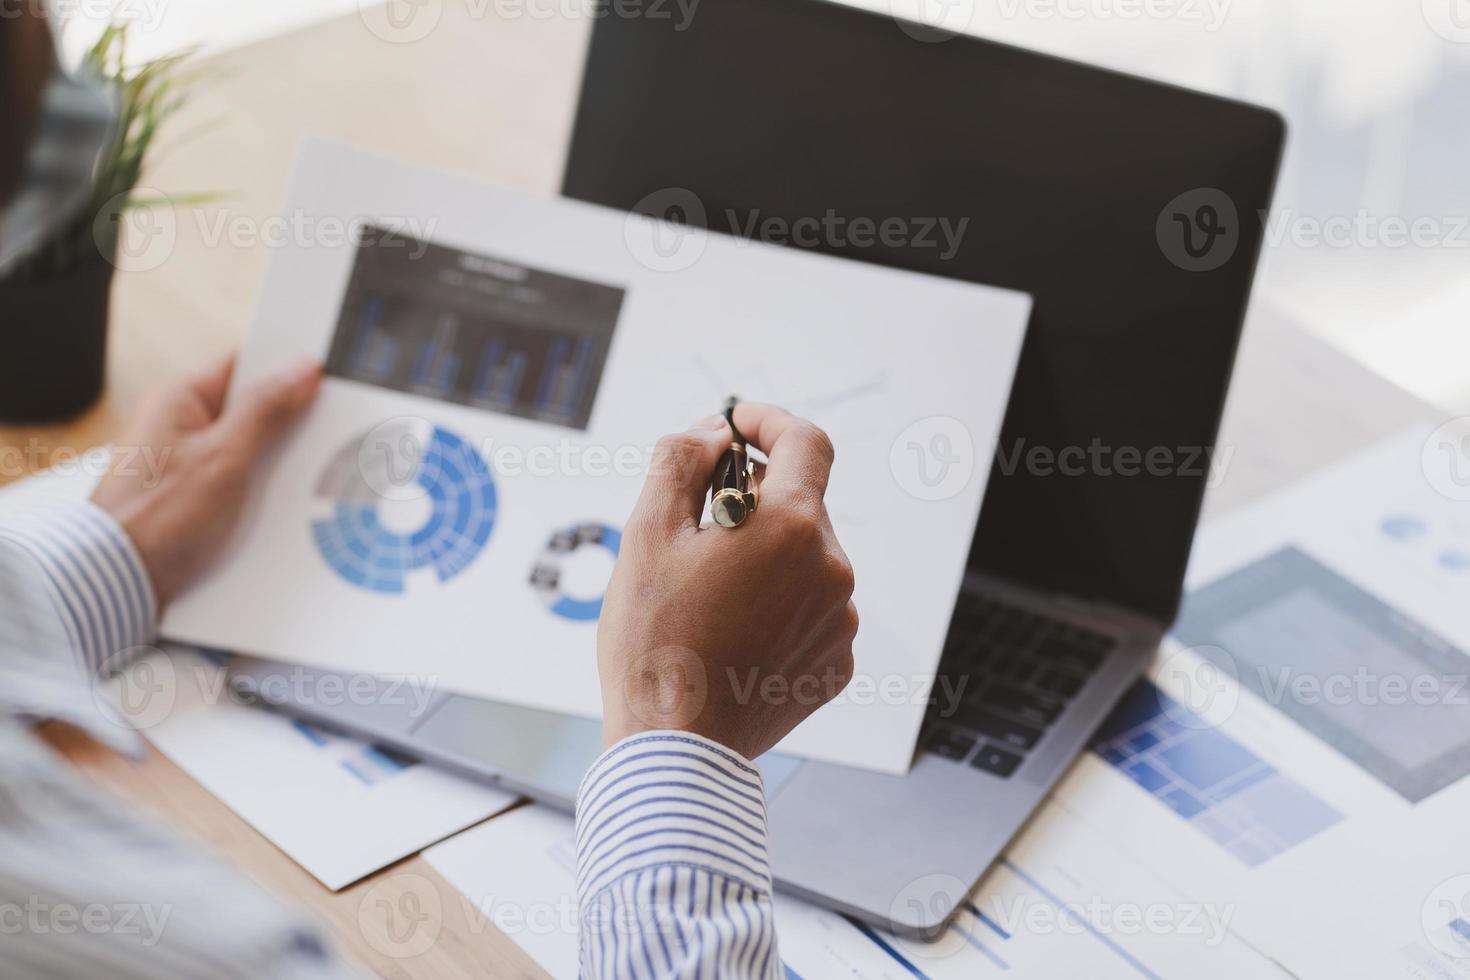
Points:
[499,367]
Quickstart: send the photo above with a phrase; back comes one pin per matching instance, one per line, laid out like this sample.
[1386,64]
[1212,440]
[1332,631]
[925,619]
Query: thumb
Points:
[260,413]
[673,494]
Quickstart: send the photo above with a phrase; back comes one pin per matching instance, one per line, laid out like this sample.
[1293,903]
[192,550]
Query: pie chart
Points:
[405,497]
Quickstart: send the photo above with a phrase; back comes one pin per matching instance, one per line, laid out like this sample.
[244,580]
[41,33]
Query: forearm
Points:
[673,872]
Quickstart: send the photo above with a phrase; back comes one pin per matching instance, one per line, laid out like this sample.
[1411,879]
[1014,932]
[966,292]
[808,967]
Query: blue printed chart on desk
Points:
[1301,751]
[499,367]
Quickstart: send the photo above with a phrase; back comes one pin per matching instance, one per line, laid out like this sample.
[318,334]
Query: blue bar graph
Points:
[1223,789]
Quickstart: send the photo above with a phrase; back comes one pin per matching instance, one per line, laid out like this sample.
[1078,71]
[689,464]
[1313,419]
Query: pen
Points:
[733,491]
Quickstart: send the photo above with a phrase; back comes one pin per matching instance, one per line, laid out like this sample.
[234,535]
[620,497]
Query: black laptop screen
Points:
[1074,184]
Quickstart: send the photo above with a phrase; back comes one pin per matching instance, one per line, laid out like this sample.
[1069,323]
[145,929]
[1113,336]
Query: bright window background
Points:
[1368,244]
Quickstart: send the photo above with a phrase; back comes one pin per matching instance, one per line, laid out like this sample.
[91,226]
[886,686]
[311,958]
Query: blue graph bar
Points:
[1206,777]
[887,947]
[1062,908]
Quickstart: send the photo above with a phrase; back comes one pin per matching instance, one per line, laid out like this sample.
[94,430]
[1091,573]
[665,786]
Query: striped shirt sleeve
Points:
[77,603]
[90,887]
[673,871]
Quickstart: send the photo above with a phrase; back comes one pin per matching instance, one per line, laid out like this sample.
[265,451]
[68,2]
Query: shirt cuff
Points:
[671,799]
[93,575]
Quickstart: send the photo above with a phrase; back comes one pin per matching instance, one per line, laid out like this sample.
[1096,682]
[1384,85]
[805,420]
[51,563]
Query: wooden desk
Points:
[492,98]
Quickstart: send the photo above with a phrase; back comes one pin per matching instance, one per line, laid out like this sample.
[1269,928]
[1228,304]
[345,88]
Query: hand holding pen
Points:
[694,615]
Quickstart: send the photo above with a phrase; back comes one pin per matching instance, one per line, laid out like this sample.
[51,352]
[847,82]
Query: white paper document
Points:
[1300,752]
[499,368]
[1061,904]
[339,807]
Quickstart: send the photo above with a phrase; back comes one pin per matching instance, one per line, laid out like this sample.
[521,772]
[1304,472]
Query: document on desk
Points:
[1300,751]
[1061,904]
[499,366]
[339,807]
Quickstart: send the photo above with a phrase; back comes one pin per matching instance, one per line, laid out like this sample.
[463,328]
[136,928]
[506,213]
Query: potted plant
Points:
[54,301]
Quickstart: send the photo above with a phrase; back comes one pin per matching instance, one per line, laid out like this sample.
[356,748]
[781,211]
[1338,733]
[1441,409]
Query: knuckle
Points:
[676,454]
[818,442]
[840,573]
[801,527]
[223,463]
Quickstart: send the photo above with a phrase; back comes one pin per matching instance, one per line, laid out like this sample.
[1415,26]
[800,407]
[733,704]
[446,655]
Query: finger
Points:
[673,494]
[261,412]
[210,386]
[799,455]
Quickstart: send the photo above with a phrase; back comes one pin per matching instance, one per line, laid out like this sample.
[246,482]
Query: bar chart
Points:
[477,331]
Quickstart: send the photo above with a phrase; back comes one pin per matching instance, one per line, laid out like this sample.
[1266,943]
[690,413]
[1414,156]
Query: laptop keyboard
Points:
[1020,669]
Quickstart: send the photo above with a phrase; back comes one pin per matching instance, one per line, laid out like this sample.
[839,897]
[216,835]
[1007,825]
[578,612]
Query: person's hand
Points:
[181,509]
[736,634]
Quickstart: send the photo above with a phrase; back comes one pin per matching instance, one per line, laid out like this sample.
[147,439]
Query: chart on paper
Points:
[405,496]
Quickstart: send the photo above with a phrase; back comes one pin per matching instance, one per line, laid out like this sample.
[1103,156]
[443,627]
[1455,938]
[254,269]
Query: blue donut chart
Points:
[461,492]
[546,574]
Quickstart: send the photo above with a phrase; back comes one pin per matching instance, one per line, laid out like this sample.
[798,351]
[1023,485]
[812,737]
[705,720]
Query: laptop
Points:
[1128,209]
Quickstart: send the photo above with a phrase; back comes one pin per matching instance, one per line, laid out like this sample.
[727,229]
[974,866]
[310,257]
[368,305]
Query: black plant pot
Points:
[53,340]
